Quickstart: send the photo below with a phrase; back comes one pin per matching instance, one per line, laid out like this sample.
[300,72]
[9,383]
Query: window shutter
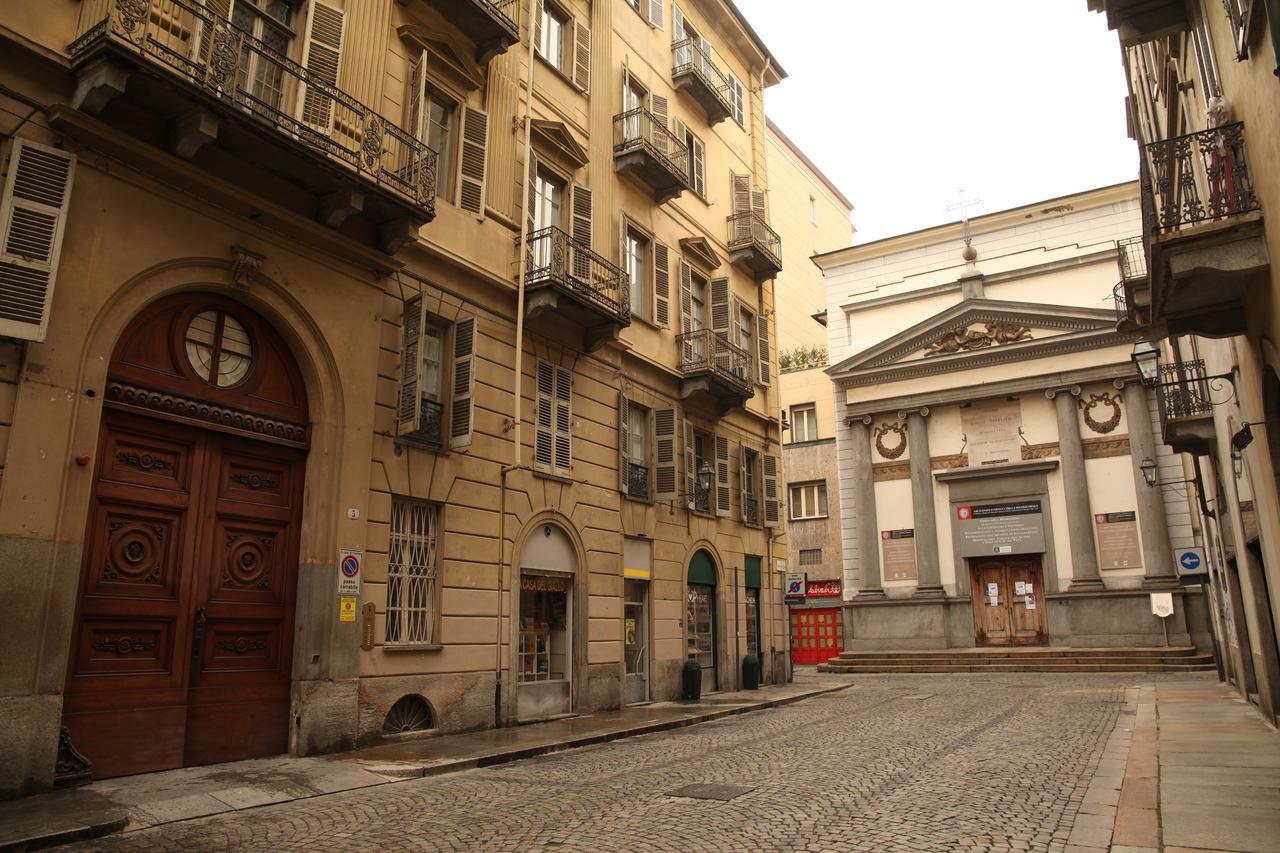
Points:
[686,308]
[624,443]
[665,430]
[409,409]
[544,418]
[533,196]
[537,27]
[720,319]
[323,55]
[760,204]
[762,344]
[33,216]
[219,9]
[661,285]
[471,163]
[697,153]
[770,513]
[582,56]
[690,468]
[655,13]
[742,481]
[658,106]
[564,422]
[415,111]
[580,224]
[464,382]
[677,24]
[724,505]
[741,191]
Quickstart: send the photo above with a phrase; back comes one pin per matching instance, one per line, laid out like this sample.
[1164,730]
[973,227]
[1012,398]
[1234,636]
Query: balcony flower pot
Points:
[750,673]
[691,681]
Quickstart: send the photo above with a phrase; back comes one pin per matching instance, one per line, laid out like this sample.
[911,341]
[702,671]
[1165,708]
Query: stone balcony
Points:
[490,25]
[565,278]
[644,148]
[754,246]
[715,369]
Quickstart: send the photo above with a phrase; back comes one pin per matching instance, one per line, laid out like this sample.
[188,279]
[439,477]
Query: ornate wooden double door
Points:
[182,651]
[1008,601]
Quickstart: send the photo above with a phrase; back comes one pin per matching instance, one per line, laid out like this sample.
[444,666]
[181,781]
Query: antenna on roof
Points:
[963,205]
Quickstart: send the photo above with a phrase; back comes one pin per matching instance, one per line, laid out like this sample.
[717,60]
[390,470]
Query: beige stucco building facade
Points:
[291,463]
[1198,286]
[991,427]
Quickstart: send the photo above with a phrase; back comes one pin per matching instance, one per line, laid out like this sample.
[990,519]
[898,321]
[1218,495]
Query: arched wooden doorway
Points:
[182,649]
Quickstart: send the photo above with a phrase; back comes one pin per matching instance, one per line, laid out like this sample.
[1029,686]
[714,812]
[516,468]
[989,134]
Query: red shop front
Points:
[816,630]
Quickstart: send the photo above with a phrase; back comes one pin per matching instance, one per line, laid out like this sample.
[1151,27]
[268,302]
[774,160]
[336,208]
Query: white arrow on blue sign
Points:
[1190,561]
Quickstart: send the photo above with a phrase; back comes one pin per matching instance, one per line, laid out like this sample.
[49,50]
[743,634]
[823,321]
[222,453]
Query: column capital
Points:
[854,420]
[923,412]
[1073,390]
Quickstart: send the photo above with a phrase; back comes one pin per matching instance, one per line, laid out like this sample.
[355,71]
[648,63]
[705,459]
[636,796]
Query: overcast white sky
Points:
[901,103]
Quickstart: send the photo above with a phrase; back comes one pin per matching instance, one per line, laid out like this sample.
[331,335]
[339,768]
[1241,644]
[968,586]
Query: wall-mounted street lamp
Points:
[706,479]
[1148,469]
[1146,357]
[1151,475]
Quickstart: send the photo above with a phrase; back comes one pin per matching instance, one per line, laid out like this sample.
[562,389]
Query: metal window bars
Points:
[411,572]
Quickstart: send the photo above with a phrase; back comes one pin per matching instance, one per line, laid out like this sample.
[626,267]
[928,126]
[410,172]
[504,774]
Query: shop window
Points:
[544,629]
[412,612]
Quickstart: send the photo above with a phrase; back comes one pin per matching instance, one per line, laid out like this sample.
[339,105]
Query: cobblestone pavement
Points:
[909,763]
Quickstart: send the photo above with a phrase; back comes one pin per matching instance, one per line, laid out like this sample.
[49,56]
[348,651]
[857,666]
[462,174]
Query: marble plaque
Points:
[991,430]
[1117,536]
[898,550]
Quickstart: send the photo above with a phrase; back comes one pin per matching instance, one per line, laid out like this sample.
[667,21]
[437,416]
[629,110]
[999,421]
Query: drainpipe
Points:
[517,437]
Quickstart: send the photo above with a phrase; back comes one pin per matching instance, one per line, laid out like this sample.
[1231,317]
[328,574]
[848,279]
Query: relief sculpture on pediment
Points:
[962,340]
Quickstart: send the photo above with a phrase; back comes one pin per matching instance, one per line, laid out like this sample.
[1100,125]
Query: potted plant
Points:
[691,679]
[750,672]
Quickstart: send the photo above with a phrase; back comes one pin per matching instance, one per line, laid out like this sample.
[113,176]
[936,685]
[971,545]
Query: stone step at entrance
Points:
[1035,659]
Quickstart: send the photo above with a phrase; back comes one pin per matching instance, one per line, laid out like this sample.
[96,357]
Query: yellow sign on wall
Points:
[347,608]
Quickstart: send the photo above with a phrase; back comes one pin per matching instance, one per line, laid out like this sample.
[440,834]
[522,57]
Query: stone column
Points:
[1157,550]
[1084,557]
[864,508]
[929,573]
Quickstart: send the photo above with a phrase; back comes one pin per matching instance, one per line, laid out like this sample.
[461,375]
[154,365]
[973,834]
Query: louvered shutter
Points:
[537,27]
[323,57]
[770,490]
[580,224]
[33,216]
[624,443]
[690,468]
[665,431]
[724,504]
[703,59]
[740,191]
[721,325]
[661,285]
[659,107]
[544,418]
[760,204]
[564,422]
[218,10]
[743,496]
[655,13]
[677,23]
[462,403]
[762,346]
[409,409]
[415,107]
[697,166]
[582,56]
[471,162]
[686,310]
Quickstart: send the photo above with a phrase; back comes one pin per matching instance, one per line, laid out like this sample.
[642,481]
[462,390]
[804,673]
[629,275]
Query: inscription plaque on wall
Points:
[991,429]
[898,550]
[1009,527]
[1117,535]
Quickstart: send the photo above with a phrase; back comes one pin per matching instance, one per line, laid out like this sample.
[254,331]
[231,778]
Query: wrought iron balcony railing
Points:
[705,352]
[748,230]
[638,129]
[1122,302]
[751,510]
[689,58]
[1184,391]
[637,481]
[231,67]
[1199,177]
[430,424]
[1132,252]
[554,257]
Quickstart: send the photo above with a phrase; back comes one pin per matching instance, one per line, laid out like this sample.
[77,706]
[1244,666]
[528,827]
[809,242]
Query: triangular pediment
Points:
[700,251]
[555,136]
[979,332]
[446,53]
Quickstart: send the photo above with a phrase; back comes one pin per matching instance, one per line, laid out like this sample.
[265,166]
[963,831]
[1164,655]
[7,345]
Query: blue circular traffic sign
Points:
[1190,561]
[350,566]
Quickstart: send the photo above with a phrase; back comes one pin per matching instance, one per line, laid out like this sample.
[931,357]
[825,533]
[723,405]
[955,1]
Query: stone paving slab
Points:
[154,799]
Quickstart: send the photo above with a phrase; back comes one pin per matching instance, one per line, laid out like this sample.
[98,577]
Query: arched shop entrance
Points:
[700,617]
[544,654]
[182,651]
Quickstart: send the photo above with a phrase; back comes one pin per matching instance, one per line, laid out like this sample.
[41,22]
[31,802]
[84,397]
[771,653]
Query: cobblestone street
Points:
[985,762]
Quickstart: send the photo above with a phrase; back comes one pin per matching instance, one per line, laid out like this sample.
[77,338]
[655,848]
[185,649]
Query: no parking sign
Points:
[350,568]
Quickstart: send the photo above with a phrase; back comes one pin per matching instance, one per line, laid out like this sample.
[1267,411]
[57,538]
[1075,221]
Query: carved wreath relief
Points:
[961,340]
[899,447]
[1108,400]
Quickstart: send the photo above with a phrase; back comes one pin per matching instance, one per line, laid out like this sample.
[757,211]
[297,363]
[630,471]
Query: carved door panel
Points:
[991,602]
[241,658]
[1026,611]
[125,702]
